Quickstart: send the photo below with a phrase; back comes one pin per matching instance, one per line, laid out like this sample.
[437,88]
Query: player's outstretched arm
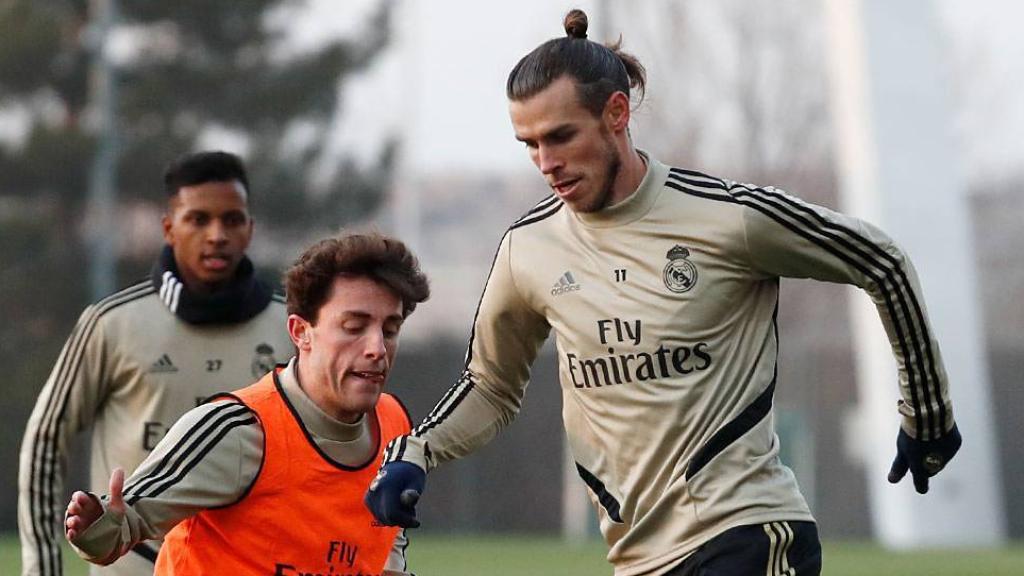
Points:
[506,337]
[147,505]
[924,458]
[788,237]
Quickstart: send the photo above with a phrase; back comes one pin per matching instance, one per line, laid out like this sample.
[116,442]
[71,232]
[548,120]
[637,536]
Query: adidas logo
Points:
[163,365]
[566,283]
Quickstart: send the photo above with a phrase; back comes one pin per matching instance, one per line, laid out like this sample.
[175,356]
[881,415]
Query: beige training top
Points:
[663,309]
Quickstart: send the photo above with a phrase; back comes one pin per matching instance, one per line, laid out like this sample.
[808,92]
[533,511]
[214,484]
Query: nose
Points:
[216,232]
[547,161]
[375,345]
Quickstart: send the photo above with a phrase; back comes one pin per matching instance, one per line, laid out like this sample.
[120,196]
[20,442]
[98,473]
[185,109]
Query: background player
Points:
[270,480]
[138,359]
[661,286]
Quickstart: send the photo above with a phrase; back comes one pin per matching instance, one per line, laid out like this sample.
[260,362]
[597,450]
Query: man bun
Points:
[576,24]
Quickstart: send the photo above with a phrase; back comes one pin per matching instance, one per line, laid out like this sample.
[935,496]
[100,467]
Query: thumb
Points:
[899,468]
[116,503]
[921,483]
[409,497]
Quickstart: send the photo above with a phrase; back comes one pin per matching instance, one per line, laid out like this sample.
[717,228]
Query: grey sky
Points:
[441,84]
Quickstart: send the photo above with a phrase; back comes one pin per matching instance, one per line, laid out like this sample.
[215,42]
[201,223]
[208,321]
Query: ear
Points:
[167,222]
[248,234]
[616,112]
[300,331]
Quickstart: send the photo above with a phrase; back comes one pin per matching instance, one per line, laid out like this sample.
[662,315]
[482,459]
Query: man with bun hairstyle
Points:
[661,286]
[270,479]
[202,322]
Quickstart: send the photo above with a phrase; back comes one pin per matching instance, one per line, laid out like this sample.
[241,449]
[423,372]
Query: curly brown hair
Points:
[384,259]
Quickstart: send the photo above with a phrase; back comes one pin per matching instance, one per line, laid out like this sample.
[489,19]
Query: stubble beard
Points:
[612,163]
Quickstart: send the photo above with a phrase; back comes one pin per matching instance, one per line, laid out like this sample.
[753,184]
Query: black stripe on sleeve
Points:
[444,408]
[145,551]
[438,408]
[389,451]
[461,389]
[205,427]
[897,311]
[908,301]
[776,206]
[44,456]
[544,204]
[537,216]
[403,443]
[395,449]
[726,197]
[158,486]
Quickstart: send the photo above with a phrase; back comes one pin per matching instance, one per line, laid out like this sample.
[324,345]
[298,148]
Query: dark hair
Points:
[203,167]
[383,259]
[598,69]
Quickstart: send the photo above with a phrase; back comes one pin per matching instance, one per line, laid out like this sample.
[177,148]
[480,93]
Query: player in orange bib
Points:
[270,479]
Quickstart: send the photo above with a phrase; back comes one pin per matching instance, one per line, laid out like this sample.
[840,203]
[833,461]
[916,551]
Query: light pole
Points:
[102,233]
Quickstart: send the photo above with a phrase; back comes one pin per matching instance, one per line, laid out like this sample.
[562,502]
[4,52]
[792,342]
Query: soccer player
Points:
[138,359]
[270,479]
[661,286]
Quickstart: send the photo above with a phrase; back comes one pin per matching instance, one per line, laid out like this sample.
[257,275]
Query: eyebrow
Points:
[547,134]
[360,315]
[204,211]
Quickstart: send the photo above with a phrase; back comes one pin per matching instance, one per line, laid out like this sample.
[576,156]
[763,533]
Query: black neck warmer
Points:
[239,301]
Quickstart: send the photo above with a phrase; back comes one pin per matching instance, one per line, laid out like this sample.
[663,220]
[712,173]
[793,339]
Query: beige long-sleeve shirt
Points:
[218,448]
[664,310]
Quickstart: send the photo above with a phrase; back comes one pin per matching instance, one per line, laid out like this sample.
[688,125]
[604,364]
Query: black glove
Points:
[923,458]
[394,492]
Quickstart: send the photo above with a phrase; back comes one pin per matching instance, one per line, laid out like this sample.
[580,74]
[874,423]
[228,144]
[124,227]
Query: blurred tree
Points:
[737,87]
[184,70]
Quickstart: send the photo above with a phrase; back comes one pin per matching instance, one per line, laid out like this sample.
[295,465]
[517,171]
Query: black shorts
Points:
[772,549]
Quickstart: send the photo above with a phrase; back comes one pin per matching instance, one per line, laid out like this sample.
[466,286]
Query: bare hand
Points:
[84,509]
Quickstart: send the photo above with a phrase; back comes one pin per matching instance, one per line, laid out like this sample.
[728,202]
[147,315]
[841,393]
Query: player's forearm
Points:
[40,489]
[890,280]
[926,407]
[507,335]
[466,418]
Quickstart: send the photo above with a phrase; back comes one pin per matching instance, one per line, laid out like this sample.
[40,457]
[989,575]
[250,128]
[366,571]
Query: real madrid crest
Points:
[680,275]
[263,361]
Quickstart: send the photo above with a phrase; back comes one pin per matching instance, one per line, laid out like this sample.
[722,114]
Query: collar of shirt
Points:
[636,205]
[316,421]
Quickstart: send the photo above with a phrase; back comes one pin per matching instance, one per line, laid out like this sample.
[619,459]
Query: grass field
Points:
[522,555]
